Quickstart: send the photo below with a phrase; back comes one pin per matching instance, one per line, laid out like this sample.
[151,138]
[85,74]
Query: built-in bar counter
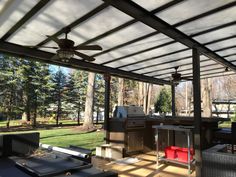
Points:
[209,126]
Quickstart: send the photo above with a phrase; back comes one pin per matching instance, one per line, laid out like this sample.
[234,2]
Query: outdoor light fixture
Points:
[65,55]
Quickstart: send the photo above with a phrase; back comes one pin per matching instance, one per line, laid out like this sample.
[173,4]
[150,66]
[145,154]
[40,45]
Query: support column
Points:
[107,78]
[173,100]
[197,110]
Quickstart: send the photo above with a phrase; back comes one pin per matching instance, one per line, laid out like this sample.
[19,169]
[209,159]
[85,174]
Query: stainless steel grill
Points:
[133,115]
[127,128]
[128,112]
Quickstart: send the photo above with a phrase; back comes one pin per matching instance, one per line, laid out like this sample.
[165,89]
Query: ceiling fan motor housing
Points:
[66,43]
[176,76]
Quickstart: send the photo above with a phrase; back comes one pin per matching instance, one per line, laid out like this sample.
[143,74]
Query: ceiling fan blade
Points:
[88,47]
[47,47]
[85,57]
[53,38]
[187,78]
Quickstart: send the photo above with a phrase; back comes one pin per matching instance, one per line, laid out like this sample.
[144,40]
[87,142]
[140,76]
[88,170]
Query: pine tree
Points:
[35,78]
[60,82]
[44,87]
[99,94]
[163,103]
[10,87]
[76,91]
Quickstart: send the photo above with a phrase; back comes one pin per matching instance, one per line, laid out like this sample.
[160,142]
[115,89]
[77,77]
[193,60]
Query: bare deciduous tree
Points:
[206,97]
[88,114]
[121,92]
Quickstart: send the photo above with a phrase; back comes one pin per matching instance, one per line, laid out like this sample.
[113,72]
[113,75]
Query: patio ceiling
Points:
[142,40]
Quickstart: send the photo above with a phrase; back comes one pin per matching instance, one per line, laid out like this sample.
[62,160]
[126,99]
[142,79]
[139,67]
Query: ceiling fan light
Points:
[65,54]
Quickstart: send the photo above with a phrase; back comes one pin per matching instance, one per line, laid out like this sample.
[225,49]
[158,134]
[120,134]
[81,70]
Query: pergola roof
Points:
[142,40]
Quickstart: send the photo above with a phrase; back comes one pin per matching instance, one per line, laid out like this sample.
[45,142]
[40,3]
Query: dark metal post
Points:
[197,111]
[107,78]
[173,100]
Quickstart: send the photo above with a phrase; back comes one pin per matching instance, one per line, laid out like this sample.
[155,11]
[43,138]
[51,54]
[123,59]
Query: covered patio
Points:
[140,40]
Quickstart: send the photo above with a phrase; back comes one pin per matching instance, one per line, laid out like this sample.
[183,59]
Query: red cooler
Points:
[182,154]
[170,152]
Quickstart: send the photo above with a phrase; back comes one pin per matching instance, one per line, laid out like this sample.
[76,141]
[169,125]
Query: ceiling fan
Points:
[66,48]
[176,77]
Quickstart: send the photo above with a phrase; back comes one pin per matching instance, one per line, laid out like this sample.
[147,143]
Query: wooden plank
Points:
[146,167]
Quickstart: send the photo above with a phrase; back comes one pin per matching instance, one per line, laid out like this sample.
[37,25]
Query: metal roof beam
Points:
[139,13]
[20,51]
[25,18]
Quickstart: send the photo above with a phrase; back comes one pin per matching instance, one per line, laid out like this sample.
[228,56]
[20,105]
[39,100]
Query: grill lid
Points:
[128,111]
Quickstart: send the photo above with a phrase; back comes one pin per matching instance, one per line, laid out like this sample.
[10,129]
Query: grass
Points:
[65,137]
[53,122]
[226,124]
[41,121]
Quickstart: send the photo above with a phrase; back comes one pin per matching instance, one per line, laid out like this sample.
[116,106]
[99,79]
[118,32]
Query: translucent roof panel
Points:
[188,9]
[104,21]
[209,21]
[223,74]
[152,53]
[168,68]
[227,52]
[134,47]
[208,72]
[12,11]
[216,34]
[152,4]
[231,58]
[158,61]
[223,44]
[206,64]
[52,18]
[122,36]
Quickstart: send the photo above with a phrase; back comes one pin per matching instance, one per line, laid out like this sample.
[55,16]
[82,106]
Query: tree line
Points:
[30,89]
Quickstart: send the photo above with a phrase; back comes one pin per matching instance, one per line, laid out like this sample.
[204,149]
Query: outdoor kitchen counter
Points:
[169,119]
[209,125]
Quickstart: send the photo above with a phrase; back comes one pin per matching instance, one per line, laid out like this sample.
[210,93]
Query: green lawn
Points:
[51,122]
[226,124]
[12,123]
[41,121]
[65,137]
